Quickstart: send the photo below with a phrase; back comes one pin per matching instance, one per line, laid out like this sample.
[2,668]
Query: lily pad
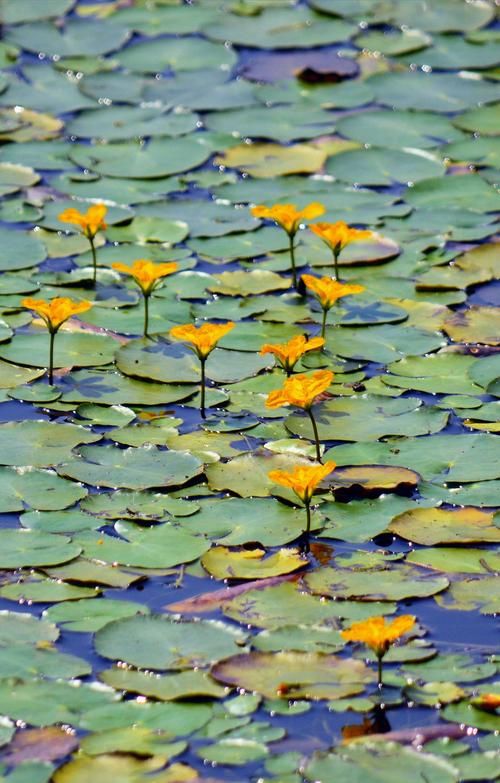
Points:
[388,585]
[443,526]
[33,548]
[369,418]
[158,547]
[162,642]
[72,349]
[473,594]
[224,563]
[381,761]
[294,675]
[40,443]
[183,684]
[141,468]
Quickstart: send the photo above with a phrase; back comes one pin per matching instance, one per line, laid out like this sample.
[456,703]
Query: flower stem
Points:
[379,671]
[94,260]
[323,323]
[202,390]
[146,315]
[292,259]
[336,254]
[316,436]
[51,357]
[308,518]
[307,532]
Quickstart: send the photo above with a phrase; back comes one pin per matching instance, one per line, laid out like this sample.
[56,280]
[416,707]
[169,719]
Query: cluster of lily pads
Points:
[249,381]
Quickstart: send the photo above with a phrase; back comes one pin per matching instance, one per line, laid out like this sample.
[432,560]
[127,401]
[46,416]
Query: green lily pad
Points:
[158,547]
[276,28]
[39,489]
[25,629]
[473,594]
[257,281]
[469,715]
[40,443]
[112,388]
[162,642]
[294,674]
[377,762]
[476,325]
[384,128]
[71,349]
[36,589]
[272,607]
[224,563]
[20,250]
[181,685]
[12,375]
[117,123]
[126,768]
[78,37]
[384,167]
[393,585]
[283,123]
[446,667]
[43,703]
[267,160]
[452,458]
[430,91]
[132,468]
[159,159]
[87,615]
[483,120]
[237,521]
[122,504]
[430,526]
[369,418]
[177,54]
[23,662]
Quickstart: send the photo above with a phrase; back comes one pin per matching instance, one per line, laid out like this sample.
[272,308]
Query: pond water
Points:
[162,615]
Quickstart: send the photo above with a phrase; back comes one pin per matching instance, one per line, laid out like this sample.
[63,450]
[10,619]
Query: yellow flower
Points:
[338,235]
[288,216]
[145,273]
[303,479]
[90,222]
[377,634]
[300,390]
[57,311]
[203,338]
[327,290]
[288,354]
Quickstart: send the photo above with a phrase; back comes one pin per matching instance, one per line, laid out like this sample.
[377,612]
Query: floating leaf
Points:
[224,563]
[87,615]
[379,761]
[430,526]
[473,594]
[184,684]
[162,642]
[294,675]
[388,585]
[132,468]
[40,443]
